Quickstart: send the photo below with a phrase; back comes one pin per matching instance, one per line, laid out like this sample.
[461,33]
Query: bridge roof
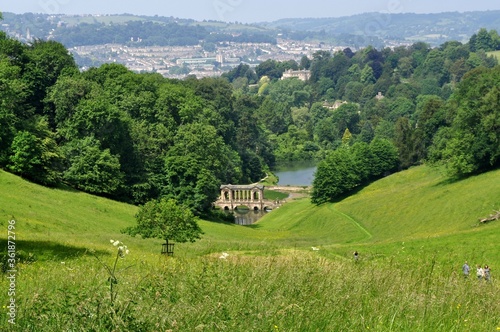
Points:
[242,186]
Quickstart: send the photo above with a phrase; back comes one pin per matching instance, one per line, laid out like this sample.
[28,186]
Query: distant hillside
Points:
[127,29]
[432,28]
[374,29]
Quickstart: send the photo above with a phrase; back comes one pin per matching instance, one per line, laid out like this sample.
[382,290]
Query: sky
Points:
[246,11]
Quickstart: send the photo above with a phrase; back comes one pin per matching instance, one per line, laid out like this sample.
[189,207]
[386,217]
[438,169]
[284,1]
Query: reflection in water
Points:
[296,174]
[289,174]
[247,217]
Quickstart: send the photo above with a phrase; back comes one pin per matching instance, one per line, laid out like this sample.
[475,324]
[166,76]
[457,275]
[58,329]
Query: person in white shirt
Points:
[479,272]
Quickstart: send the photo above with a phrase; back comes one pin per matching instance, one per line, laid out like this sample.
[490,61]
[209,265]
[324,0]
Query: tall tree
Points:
[46,61]
[166,219]
[92,168]
[35,154]
[335,176]
[472,142]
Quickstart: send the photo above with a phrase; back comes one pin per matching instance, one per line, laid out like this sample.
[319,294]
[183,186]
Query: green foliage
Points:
[166,219]
[485,41]
[413,231]
[153,136]
[367,75]
[270,69]
[472,141]
[35,155]
[385,157]
[92,168]
[346,168]
[242,71]
[335,175]
[45,62]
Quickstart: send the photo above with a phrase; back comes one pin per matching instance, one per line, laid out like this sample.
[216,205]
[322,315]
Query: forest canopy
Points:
[140,137]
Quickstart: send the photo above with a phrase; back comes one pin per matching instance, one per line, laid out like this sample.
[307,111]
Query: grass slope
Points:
[413,230]
[418,204]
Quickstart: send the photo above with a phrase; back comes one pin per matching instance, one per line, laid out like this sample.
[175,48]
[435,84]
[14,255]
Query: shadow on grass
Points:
[449,180]
[253,226]
[50,251]
[347,194]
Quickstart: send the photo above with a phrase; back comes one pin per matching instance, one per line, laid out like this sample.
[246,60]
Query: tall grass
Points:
[293,292]
[413,231]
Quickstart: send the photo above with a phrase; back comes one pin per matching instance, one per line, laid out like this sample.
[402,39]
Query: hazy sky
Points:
[244,10]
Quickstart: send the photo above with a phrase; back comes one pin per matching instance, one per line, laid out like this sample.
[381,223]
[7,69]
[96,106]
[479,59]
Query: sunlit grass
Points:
[413,231]
[496,54]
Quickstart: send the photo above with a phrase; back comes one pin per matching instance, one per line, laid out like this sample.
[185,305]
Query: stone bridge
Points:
[251,196]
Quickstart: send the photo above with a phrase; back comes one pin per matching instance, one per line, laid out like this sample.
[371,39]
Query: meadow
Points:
[291,271]
[496,54]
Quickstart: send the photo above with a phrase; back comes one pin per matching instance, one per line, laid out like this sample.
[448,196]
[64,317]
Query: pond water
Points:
[247,217]
[290,174]
[296,174]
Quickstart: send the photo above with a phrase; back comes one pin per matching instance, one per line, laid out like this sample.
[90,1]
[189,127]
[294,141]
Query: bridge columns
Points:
[232,196]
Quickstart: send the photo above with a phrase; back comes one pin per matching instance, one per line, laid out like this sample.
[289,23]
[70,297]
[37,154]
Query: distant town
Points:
[180,61]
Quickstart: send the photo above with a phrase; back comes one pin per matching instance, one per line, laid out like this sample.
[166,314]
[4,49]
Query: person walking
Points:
[356,256]
[479,272]
[466,270]
[486,273]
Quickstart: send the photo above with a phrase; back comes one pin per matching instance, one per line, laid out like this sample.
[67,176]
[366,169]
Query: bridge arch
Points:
[232,196]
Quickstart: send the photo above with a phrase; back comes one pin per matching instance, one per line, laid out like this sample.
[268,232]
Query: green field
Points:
[496,54]
[413,230]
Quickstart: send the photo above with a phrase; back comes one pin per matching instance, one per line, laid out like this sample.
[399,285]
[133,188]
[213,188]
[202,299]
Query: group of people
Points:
[482,273]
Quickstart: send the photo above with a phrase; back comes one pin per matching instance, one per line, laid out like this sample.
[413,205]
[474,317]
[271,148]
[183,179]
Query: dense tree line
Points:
[142,33]
[375,28]
[138,137]
[128,136]
[349,167]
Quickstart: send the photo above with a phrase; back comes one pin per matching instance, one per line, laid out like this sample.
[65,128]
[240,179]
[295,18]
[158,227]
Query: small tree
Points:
[166,219]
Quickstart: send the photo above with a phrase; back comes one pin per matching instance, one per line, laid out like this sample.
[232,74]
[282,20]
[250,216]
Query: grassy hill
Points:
[413,230]
[496,54]
[408,206]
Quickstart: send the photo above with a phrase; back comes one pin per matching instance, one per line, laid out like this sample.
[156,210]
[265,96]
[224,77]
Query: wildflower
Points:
[116,243]
[112,241]
[224,255]
[315,248]
[122,251]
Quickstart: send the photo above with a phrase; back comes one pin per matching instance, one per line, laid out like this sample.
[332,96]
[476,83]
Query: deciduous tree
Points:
[166,219]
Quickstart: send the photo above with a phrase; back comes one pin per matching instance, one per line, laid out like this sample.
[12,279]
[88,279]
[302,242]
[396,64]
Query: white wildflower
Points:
[111,241]
[224,255]
[315,248]
[116,243]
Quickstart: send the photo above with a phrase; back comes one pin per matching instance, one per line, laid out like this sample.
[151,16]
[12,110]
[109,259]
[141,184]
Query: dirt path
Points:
[292,191]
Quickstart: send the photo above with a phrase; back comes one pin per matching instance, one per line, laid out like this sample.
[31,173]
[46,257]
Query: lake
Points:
[290,174]
[296,173]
